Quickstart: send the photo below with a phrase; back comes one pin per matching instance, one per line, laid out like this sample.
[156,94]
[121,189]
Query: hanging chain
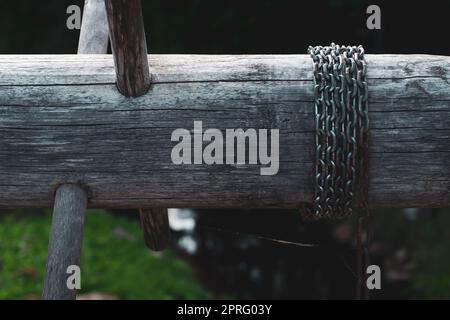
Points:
[342,127]
[342,144]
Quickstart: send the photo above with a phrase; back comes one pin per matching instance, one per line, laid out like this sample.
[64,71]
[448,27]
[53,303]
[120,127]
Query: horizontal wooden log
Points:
[62,120]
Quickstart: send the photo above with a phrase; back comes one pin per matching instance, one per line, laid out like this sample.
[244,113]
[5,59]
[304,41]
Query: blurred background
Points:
[236,253]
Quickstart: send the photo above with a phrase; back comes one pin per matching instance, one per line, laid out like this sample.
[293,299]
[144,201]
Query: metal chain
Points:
[342,143]
[342,126]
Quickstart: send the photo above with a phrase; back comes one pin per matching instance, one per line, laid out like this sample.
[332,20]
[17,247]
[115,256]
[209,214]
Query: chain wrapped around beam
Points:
[342,127]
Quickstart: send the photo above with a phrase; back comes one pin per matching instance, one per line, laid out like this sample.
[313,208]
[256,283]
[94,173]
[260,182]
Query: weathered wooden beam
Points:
[94,33]
[66,240]
[126,26]
[63,121]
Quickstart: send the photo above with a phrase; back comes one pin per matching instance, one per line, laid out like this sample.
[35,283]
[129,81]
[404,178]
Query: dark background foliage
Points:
[245,26]
[232,259]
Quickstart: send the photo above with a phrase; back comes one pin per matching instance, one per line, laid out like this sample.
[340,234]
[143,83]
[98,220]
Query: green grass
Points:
[114,260]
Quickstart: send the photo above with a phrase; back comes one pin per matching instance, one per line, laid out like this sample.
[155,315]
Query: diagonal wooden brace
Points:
[66,238]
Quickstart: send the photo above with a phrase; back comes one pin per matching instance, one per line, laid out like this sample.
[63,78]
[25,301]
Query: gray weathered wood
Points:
[62,120]
[94,33]
[129,47]
[66,240]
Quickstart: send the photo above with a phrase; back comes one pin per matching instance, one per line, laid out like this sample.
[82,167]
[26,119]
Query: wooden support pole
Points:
[155,225]
[66,240]
[94,34]
[129,48]
[128,43]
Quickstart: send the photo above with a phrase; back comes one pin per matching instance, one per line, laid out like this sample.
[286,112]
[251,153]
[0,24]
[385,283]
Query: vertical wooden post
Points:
[155,225]
[126,26]
[66,238]
[129,47]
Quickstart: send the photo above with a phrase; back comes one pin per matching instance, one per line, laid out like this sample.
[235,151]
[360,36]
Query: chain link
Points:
[342,127]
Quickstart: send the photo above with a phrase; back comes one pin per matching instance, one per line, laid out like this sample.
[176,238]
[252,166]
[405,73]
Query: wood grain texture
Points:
[66,240]
[94,33]
[129,47]
[62,120]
